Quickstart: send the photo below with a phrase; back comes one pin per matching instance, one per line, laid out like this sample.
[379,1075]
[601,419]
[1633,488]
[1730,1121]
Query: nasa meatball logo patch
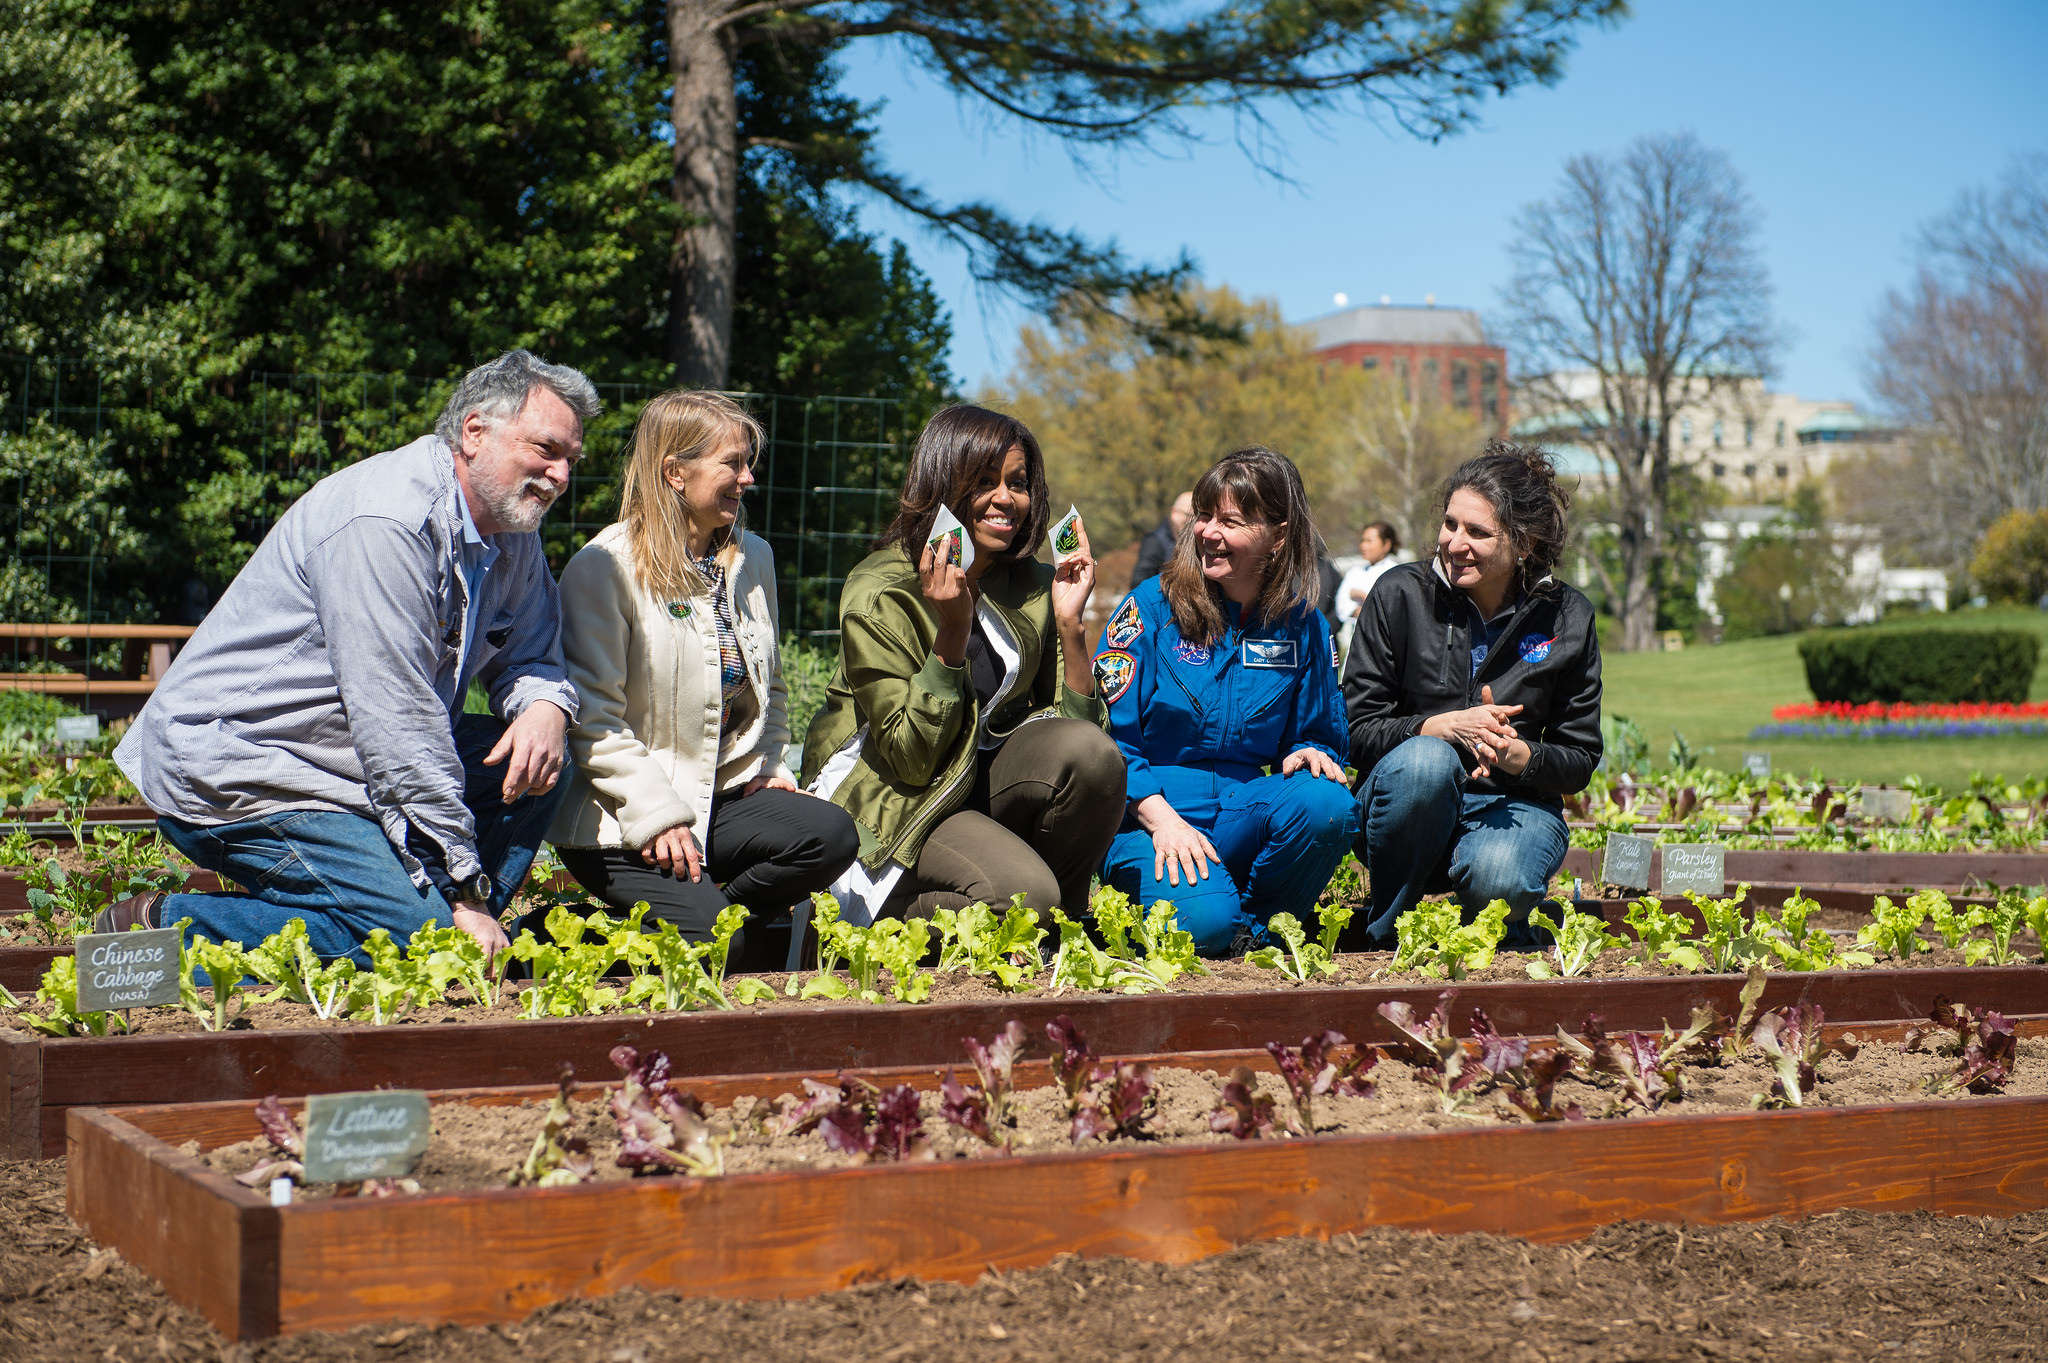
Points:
[1125,626]
[1534,648]
[1194,655]
[1113,673]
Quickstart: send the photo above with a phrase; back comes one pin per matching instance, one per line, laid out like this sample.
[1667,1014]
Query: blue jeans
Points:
[1280,838]
[340,873]
[1424,833]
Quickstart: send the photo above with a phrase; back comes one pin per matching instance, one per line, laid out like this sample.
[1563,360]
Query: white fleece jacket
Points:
[646,740]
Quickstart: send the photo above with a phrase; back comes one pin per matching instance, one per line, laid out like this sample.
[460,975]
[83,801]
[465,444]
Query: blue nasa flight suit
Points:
[1196,725]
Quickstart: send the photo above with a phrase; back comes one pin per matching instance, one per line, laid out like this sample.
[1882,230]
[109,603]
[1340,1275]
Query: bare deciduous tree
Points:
[1406,445]
[1638,290]
[1962,359]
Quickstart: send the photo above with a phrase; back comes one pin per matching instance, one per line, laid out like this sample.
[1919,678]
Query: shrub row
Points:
[1948,665]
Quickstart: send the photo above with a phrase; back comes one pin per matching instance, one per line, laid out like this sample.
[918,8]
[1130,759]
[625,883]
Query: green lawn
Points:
[1716,695]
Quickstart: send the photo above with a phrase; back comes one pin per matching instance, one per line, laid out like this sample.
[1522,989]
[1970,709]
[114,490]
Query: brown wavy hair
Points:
[1520,483]
[1267,486]
[952,450]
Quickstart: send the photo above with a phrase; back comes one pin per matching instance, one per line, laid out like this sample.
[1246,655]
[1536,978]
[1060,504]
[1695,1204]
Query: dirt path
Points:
[1848,1286]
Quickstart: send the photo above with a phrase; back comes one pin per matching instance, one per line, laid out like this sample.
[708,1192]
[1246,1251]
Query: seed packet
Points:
[949,540]
[1066,535]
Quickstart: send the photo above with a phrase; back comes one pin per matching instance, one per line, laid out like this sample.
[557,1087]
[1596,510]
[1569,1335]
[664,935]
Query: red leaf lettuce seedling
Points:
[1985,1039]
[1118,1111]
[1243,1111]
[1794,1042]
[287,1145]
[1315,1070]
[857,1118]
[661,1131]
[556,1160]
[1435,1051]
[985,1112]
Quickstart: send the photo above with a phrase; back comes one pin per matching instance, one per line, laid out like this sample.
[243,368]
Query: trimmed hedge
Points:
[1921,665]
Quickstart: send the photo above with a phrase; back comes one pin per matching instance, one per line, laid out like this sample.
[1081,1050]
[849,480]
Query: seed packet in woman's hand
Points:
[949,540]
[1066,536]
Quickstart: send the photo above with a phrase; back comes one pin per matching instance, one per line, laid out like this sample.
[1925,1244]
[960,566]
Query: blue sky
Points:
[1851,122]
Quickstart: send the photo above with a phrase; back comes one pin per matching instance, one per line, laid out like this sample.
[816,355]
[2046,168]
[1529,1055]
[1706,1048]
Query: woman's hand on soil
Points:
[952,600]
[674,851]
[1315,760]
[480,923]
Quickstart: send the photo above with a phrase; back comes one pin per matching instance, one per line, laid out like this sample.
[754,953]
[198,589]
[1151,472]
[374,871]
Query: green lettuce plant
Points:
[1433,938]
[1894,929]
[1078,963]
[59,995]
[1728,939]
[1794,946]
[1005,950]
[1576,943]
[1663,935]
[1152,941]
[286,959]
[892,944]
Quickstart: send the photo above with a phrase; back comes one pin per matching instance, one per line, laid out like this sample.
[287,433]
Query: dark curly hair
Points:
[1520,483]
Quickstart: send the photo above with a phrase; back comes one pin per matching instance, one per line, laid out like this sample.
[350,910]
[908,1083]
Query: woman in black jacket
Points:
[1473,693]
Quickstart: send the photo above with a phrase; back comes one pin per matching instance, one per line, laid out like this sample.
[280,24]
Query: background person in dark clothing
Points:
[1156,548]
[1473,693]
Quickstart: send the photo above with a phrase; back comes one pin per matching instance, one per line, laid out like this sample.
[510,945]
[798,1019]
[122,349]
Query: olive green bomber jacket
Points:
[904,720]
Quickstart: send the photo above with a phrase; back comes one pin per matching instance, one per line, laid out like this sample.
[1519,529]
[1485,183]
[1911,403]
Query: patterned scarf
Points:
[732,663]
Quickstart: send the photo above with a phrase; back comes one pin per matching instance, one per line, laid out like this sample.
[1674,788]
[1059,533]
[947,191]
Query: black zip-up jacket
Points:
[1411,657]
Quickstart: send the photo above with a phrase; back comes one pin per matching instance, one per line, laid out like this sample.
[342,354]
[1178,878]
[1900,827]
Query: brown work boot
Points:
[136,911]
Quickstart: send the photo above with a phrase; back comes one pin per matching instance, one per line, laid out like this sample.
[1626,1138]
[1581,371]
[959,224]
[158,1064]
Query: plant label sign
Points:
[1757,765]
[1887,806]
[127,970]
[1695,868]
[354,1136]
[78,728]
[1627,863]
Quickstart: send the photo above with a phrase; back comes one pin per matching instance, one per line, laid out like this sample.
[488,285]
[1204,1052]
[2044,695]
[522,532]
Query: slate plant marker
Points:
[77,728]
[122,970]
[1700,868]
[354,1136]
[1758,765]
[1887,806]
[1627,863]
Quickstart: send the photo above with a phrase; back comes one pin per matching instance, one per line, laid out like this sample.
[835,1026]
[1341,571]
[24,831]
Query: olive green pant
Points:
[1042,812]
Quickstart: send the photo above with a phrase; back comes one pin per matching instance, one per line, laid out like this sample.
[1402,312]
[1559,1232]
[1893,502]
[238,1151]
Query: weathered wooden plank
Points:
[211,1243]
[21,968]
[21,1095]
[496,1255]
[193,1067]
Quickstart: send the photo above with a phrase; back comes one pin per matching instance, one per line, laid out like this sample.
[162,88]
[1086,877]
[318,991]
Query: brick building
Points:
[1439,352]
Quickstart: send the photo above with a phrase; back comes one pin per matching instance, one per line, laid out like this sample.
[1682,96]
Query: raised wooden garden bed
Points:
[472,1257]
[46,1077]
[1880,870]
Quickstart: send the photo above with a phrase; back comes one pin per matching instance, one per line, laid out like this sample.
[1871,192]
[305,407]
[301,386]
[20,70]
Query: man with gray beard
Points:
[309,743]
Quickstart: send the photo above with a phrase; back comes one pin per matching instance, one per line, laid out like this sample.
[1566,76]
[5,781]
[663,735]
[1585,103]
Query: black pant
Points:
[767,851]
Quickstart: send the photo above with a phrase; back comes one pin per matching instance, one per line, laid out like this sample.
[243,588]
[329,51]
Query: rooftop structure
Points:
[1437,353]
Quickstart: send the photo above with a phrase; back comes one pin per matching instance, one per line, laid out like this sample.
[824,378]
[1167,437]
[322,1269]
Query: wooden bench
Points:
[144,660]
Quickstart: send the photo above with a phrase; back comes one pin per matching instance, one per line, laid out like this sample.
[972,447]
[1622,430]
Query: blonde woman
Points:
[681,796]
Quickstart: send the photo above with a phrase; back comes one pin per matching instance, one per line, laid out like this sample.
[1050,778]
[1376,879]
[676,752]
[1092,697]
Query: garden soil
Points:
[1851,1285]
[476,1147]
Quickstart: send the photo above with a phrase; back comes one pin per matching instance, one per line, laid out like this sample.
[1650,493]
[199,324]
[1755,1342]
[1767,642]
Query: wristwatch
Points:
[475,890]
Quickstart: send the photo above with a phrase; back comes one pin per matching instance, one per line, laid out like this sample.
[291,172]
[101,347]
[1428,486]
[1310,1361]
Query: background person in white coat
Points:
[1379,544]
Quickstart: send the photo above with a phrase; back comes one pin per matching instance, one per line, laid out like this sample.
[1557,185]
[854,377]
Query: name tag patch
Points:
[1276,654]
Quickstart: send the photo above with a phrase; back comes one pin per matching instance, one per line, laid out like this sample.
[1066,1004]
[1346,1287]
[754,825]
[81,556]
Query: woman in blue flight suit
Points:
[1216,669]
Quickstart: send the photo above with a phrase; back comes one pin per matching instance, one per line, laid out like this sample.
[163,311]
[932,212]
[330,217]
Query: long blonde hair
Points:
[678,426]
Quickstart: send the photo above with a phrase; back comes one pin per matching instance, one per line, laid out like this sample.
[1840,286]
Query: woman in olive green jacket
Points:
[961,729]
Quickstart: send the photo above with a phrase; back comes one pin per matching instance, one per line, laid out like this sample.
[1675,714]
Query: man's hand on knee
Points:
[480,923]
[532,750]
